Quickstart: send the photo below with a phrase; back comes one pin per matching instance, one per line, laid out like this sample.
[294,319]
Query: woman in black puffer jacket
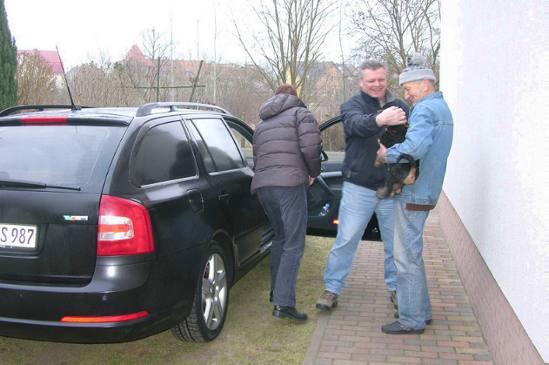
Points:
[286,160]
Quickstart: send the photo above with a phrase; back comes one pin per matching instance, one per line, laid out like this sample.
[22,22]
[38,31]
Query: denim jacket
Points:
[428,140]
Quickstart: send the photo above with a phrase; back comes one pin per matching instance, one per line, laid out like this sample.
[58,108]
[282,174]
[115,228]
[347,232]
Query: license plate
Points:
[17,236]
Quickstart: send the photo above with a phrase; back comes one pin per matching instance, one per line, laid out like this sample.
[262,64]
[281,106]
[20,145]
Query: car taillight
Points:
[124,228]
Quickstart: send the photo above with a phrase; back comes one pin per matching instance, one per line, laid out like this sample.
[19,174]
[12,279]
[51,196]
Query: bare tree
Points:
[392,29]
[157,50]
[98,83]
[294,33]
[148,72]
[36,80]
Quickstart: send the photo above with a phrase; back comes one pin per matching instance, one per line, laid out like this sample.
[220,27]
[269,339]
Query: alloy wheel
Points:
[214,291]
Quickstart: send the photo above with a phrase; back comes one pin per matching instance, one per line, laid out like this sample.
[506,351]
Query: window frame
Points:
[245,130]
[190,121]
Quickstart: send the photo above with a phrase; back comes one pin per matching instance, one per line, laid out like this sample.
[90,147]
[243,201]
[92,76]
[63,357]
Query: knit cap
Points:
[416,69]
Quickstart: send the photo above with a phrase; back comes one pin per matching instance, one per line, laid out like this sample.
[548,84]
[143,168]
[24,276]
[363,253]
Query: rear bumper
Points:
[76,333]
[35,311]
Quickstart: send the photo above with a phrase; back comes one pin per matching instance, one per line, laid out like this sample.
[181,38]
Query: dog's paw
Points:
[411,177]
[397,188]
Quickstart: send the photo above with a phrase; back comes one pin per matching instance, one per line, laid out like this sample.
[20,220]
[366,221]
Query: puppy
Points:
[398,174]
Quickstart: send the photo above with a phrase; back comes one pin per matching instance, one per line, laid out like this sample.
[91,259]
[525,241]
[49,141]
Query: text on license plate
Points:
[17,236]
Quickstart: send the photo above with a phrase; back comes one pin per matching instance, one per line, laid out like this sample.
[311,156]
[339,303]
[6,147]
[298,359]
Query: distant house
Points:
[135,54]
[180,72]
[183,68]
[328,85]
[49,57]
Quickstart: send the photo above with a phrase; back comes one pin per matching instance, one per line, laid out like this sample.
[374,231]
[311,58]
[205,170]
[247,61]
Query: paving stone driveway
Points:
[351,334]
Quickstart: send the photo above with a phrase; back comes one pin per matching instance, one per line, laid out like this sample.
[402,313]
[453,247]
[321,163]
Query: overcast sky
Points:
[90,29]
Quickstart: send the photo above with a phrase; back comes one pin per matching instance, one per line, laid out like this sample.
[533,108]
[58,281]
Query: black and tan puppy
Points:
[398,174]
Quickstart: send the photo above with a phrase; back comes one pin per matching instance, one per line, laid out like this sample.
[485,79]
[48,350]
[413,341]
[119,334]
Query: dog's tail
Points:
[406,157]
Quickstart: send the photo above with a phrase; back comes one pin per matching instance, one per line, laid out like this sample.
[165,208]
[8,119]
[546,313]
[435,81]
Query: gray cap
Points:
[416,69]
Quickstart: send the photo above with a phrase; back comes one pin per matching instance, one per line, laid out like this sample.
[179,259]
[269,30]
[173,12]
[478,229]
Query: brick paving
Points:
[351,334]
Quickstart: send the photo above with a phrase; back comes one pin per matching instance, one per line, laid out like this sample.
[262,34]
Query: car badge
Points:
[76,218]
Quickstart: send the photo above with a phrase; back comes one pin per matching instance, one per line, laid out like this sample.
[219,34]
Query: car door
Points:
[325,194]
[243,136]
[230,176]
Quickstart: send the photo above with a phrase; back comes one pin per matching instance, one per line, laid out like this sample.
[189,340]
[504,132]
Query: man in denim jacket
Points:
[428,140]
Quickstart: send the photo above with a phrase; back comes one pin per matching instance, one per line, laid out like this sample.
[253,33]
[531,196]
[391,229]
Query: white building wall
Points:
[494,75]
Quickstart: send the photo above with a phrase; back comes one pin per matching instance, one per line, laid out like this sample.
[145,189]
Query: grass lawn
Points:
[251,334]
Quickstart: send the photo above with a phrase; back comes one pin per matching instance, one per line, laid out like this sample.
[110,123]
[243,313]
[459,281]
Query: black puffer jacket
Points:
[286,144]
[361,138]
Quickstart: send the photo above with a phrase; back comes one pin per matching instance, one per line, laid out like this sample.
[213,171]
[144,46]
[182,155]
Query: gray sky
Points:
[84,29]
[89,30]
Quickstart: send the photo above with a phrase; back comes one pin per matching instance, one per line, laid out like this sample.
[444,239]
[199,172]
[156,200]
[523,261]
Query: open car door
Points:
[325,194]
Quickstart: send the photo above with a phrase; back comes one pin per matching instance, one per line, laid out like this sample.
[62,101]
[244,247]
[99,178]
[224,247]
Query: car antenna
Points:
[73,105]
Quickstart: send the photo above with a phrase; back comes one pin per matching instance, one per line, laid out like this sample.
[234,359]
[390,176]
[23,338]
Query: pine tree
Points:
[8,62]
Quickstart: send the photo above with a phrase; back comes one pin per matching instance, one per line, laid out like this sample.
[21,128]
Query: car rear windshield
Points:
[75,156]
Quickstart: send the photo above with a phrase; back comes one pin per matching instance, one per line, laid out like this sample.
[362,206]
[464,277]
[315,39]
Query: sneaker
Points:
[396,328]
[327,301]
[289,312]
[394,300]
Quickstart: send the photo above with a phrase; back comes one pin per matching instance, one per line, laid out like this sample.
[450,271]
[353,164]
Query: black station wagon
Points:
[117,223]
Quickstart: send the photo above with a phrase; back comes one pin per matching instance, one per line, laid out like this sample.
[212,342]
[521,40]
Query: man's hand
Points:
[391,116]
[311,180]
[380,156]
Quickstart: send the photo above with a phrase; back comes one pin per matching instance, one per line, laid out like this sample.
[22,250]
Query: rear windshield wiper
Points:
[33,185]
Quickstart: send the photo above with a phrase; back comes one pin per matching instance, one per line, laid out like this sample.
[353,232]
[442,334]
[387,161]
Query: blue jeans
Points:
[357,207]
[414,306]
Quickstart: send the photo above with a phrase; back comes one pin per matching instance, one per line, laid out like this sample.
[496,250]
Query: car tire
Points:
[211,300]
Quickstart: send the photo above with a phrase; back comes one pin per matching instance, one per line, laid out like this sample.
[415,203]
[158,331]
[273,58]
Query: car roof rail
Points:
[38,107]
[147,109]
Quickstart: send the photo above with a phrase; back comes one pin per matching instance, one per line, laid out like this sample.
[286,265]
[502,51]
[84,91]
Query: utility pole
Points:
[158,79]
[172,96]
[215,55]
[197,39]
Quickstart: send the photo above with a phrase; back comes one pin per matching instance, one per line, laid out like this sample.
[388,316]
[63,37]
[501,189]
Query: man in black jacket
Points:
[365,117]
[286,161]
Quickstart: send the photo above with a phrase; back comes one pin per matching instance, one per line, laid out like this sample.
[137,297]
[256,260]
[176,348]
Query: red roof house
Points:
[50,57]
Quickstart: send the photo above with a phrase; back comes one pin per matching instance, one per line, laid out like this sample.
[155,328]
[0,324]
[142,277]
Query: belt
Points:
[419,207]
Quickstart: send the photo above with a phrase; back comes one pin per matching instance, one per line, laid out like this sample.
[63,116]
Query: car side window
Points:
[202,149]
[215,142]
[163,154]
[333,142]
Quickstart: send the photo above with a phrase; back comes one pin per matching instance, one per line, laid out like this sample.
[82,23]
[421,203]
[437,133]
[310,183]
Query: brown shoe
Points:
[327,301]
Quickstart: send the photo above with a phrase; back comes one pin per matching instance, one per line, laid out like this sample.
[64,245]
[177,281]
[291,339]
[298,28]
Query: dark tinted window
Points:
[204,152]
[220,144]
[67,155]
[163,154]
